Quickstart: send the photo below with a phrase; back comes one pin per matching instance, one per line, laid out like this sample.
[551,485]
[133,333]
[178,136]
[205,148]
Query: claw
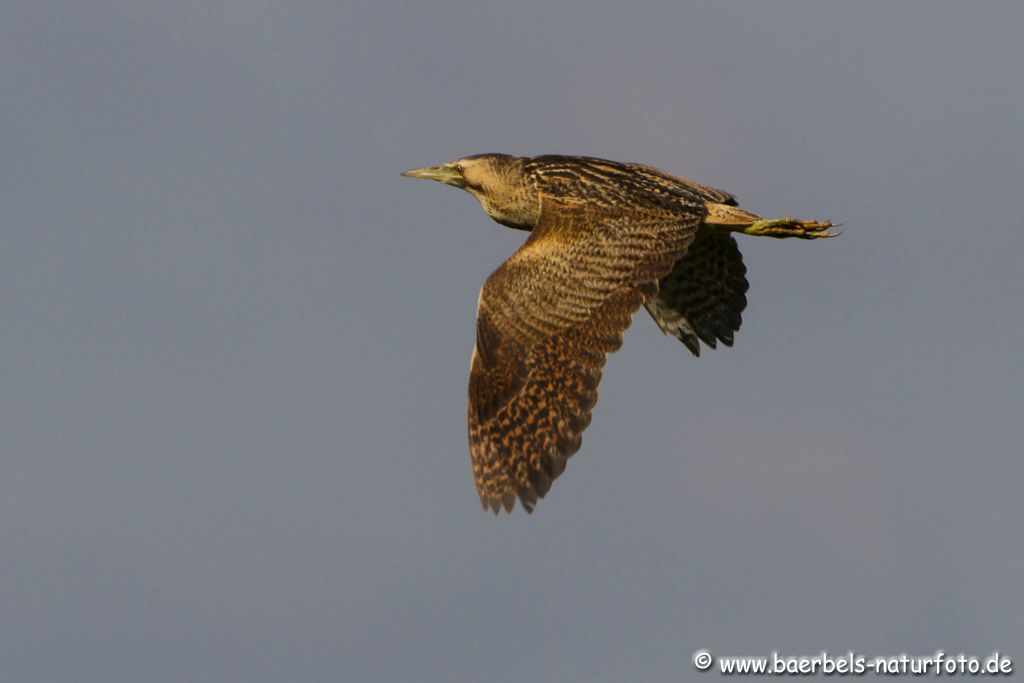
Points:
[792,227]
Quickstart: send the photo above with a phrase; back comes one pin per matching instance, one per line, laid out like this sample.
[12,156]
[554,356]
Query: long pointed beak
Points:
[444,173]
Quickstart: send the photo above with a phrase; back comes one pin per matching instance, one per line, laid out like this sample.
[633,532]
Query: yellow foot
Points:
[791,227]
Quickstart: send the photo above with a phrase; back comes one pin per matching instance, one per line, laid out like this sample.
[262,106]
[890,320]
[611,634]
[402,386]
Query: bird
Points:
[605,239]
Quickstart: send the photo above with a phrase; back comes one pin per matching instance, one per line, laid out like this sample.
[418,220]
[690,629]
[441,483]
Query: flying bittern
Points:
[605,238]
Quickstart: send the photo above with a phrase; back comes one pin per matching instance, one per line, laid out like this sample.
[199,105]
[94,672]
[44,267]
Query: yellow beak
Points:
[444,173]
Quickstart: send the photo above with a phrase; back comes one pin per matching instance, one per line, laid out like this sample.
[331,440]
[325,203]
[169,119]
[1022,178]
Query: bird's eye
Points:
[458,167]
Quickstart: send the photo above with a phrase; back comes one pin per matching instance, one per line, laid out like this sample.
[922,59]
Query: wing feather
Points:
[546,320]
[703,297]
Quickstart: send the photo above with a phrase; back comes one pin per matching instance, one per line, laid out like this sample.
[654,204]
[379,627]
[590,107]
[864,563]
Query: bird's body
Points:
[606,237]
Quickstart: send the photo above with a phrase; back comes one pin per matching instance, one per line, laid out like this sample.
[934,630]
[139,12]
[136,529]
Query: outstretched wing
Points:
[545,321]
[704,295]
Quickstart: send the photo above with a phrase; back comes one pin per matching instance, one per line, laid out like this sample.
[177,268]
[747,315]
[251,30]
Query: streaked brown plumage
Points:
[606,238]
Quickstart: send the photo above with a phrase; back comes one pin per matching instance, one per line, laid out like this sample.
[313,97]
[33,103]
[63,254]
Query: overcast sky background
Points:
[235,342]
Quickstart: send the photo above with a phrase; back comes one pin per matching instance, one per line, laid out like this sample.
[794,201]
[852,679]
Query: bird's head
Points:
[497,181]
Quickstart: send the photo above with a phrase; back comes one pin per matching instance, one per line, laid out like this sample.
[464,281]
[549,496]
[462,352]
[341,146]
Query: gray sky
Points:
[235,348]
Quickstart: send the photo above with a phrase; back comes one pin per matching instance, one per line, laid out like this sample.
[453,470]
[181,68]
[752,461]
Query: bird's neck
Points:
[517,207]
[510,223]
